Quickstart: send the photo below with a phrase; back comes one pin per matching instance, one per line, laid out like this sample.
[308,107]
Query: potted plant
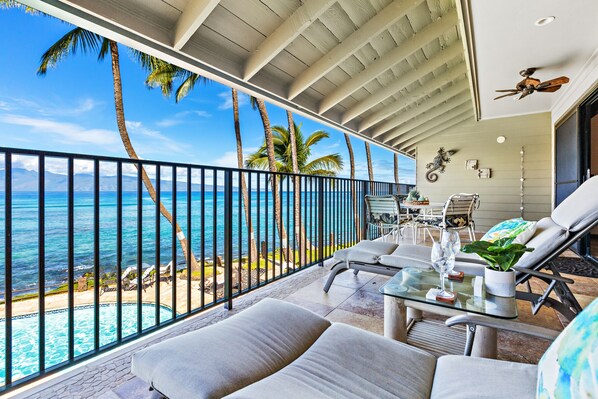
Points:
[413,195]
[501,255]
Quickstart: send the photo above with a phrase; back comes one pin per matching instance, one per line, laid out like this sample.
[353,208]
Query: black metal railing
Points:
[90,258]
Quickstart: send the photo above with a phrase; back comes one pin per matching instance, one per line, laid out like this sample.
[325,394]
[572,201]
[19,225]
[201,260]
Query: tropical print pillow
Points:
[523,230]
[568,368]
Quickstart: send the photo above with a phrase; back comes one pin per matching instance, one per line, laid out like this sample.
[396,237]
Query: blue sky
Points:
[71,109]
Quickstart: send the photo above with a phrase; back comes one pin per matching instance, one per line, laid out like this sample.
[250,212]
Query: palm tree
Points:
[353,188]
[368,155]
[327,165]
[79,39]
[163,75]
[298,223]
[260,105]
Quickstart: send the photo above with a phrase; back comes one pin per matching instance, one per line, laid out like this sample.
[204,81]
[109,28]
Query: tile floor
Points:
[355,300]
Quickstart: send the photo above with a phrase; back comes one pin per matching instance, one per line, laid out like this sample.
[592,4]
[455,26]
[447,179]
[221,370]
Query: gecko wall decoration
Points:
[438,164]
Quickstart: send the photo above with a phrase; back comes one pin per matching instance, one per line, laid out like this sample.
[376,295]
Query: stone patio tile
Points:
[366,303]
[314,292]
[373,324]
[375,283]
[349,280]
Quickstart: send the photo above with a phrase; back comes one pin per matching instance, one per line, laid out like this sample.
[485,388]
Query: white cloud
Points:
[181,117]
[64,132]
[227,101]
[152,140]
[51,108]
[229,158]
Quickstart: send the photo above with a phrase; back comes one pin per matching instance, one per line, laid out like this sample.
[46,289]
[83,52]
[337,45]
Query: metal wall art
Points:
[438,164]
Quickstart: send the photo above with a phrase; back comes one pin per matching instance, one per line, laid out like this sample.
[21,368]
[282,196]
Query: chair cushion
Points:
[547,238]
[347,362]
[522,230]
[461,377]
[568,368]
[365,251]
[217,360]
[578,210]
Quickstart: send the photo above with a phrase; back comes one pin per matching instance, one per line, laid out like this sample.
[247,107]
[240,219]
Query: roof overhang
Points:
[390,72]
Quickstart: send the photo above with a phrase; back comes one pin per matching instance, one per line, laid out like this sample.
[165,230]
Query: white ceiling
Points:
[507,41]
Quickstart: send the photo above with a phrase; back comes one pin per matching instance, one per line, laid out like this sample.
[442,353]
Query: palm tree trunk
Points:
[261,106]
[301,235]
[353,188]
[253,247]
[124,135]
[368,155]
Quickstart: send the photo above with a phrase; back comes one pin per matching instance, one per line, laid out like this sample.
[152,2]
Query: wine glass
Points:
[443,257]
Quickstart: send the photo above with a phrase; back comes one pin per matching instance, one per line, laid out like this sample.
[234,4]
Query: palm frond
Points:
[78,39]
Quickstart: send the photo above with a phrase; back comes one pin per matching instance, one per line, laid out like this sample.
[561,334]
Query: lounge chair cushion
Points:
[419,256]
[580,208]
[217,360]
[347,362]
[365,251]
[548,237]
[460,377]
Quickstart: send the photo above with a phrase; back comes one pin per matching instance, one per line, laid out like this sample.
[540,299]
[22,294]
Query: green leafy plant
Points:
[414,194]
[501,255]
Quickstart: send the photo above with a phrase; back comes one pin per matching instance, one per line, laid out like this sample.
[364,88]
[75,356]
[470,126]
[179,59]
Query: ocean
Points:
[25,255]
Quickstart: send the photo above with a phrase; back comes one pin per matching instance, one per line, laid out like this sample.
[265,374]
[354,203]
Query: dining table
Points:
[425,210]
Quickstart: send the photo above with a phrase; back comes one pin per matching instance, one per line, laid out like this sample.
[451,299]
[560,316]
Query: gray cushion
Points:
[460,377]
[419,256]
[365,251]
[217,360]
[580,208]
[346,362]
[547,238]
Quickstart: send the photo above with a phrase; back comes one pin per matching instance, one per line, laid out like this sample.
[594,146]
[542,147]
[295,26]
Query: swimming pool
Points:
[25,331]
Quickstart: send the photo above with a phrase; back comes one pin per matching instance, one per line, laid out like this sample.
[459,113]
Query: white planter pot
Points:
[500,283]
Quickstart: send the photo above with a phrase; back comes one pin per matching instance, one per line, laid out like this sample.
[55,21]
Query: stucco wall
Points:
[499,195]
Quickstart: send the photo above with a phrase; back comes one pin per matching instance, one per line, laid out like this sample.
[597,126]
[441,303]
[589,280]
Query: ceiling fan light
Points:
[544,21]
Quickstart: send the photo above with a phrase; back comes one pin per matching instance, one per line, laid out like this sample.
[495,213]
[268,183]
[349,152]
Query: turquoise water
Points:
[25,231]
[26,334]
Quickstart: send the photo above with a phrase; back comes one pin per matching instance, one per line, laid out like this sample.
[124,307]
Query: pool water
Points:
[25,333]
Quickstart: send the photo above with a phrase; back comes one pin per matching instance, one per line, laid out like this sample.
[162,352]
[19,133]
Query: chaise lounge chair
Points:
[276,349]
[570,221]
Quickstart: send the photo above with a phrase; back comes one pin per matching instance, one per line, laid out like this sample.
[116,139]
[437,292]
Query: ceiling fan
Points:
[528,85]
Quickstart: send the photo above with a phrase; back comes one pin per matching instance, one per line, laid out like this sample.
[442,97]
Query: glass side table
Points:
[405,299]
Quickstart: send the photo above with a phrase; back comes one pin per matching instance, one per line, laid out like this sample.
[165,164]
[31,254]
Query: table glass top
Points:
[413,284]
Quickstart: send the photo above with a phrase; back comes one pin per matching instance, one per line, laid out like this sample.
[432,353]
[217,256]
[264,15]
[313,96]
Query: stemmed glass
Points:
[443,257]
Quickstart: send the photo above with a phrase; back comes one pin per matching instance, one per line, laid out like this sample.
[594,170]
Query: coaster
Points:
[457,276]
[450,299]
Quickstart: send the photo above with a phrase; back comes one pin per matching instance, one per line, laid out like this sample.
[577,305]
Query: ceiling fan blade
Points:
[507,95]
[506,90]
[525,93]
[554,82]
[531,81]
[550,89]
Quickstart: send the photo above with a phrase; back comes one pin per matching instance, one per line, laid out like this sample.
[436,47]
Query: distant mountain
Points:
[27,180]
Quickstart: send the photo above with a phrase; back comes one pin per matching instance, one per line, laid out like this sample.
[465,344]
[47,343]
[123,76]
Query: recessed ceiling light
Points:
[544,21]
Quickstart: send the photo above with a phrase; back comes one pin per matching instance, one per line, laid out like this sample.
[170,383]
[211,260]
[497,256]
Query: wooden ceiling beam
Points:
[405,80]
[194,14]
[448,113]
[376,25]
[288,31]
[412,97]
[388,60]
[450,92]
[410,145]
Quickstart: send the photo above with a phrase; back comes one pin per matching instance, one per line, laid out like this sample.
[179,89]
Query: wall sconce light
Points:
[501,139]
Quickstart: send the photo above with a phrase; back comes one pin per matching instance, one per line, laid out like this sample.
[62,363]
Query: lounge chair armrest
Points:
[508,325]
[544,275]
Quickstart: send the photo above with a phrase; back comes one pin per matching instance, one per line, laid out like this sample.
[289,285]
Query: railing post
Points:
[321,220]
[364,192]
[228,239]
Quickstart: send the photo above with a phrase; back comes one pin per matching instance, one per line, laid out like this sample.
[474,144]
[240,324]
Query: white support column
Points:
[381,21]
[288,31]
[395,318]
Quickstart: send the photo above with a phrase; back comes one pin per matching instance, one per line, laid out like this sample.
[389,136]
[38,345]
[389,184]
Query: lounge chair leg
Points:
[355,271]
[337,269]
